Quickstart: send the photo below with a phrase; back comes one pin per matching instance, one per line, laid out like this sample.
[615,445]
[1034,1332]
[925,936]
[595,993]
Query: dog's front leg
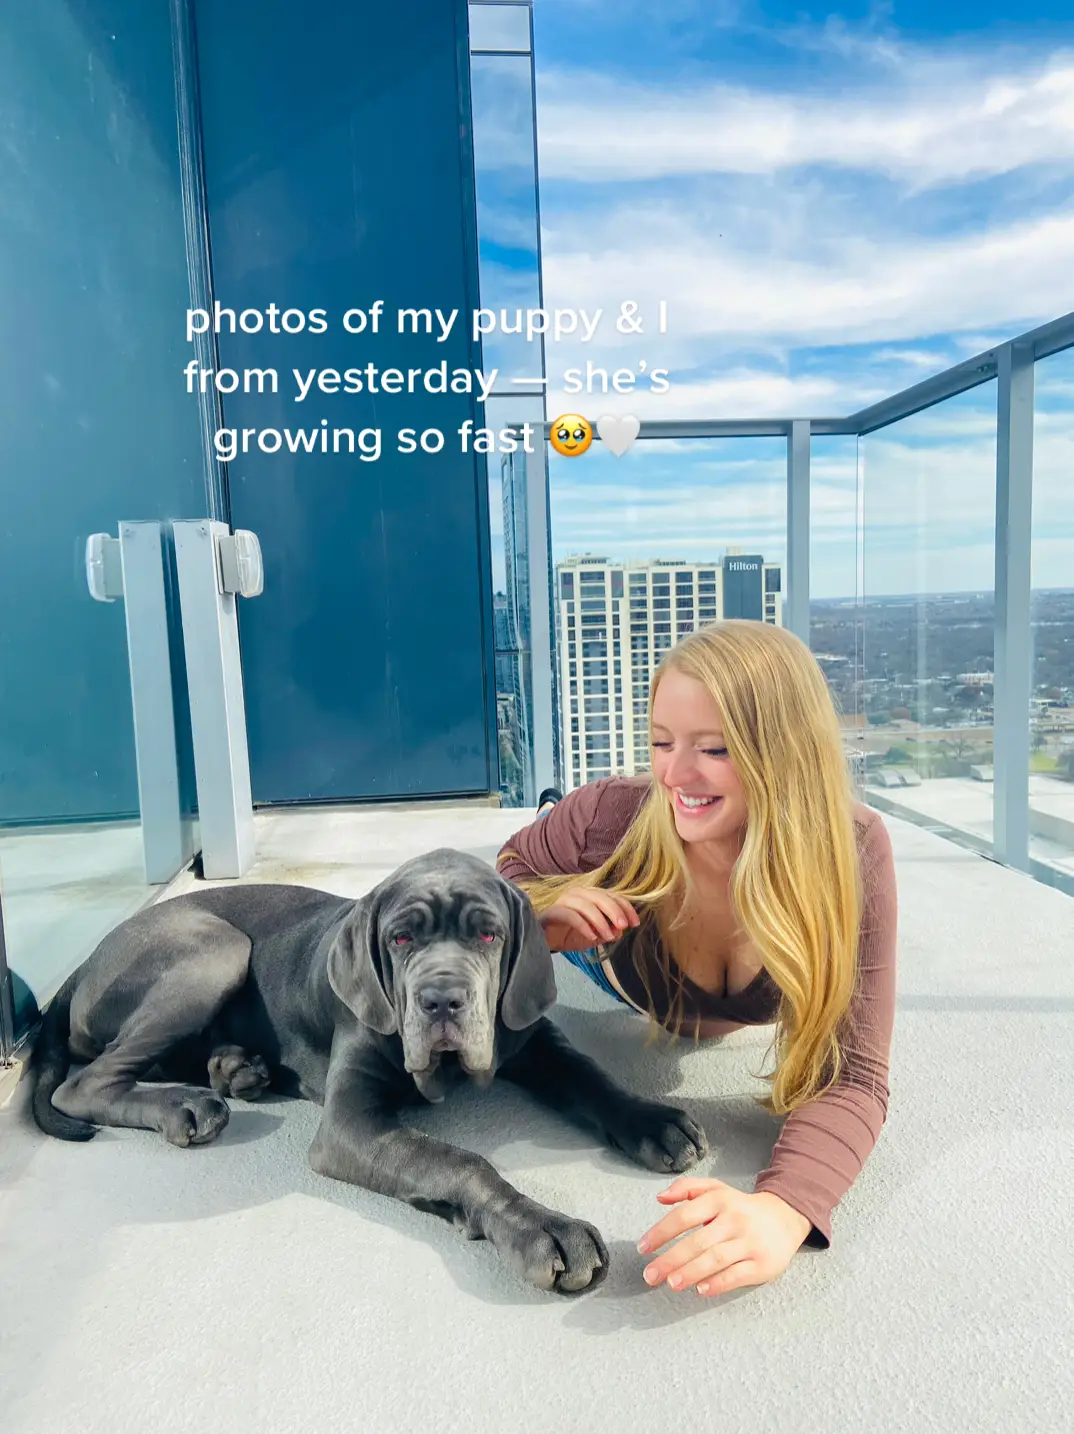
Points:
[360,1141]
[660,1137]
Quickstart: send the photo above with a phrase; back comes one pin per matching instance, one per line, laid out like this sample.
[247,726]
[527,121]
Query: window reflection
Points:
[499,27]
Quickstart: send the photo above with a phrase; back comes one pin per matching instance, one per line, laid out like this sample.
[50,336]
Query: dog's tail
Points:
[49,1065]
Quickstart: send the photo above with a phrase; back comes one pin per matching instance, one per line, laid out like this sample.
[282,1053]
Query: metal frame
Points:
[1013,660]
[217,704]
[470,245]
[132,569]
[543,668]
[546,756]
[167,831]
[796,601]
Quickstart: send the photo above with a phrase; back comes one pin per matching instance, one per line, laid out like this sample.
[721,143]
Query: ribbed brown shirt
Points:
[823,1145]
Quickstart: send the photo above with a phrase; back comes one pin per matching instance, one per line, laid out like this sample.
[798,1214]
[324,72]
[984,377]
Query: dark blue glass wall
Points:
[339,171]
[96,427]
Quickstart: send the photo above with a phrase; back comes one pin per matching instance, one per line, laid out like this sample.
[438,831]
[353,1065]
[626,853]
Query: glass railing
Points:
[508,231]
[928,542]
[905,543]
[836,582]
[1051,731]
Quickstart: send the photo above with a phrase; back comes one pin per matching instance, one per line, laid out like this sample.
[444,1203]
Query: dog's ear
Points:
[356,970]
[529,981]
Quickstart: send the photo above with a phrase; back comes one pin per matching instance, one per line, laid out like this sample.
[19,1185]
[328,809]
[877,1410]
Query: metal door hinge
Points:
[104,567]
[242,570]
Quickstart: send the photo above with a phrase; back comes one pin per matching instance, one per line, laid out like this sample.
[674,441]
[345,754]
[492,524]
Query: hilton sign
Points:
[743,594]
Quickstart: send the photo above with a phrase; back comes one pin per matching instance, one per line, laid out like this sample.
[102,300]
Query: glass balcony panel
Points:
[97,431]
[501,90]
[505,178]
[928,615]
[500,27]
[835,579]
[1051,742]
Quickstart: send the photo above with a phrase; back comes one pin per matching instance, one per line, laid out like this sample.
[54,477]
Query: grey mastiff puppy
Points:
[440,974]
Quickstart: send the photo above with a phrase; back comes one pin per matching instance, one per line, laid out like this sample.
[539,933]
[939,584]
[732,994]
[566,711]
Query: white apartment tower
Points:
[614,621]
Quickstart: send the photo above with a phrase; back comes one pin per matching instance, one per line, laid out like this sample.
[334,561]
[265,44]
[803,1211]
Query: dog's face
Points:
[438,954]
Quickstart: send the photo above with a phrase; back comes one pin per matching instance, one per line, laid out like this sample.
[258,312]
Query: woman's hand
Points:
[584,916]
[737,1239]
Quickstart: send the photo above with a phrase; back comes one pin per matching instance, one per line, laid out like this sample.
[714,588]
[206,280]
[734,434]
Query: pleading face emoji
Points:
[571,434]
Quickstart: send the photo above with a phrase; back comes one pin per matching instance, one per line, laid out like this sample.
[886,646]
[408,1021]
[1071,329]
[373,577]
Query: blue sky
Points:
[833,204]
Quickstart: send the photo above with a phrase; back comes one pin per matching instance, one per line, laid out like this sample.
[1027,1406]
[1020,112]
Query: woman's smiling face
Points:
[690,761]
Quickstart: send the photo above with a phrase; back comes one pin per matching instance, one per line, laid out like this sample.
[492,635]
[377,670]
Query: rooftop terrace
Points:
[167,1290]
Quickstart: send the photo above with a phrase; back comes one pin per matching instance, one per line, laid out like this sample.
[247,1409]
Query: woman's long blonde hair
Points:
[796,886]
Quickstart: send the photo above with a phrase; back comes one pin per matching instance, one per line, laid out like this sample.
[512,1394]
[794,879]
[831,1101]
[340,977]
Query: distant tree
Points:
[959,749]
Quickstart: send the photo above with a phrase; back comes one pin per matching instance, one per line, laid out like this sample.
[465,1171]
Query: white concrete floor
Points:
[967,806]
[152,1289]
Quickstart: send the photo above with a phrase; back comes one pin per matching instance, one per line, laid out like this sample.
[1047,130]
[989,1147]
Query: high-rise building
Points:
[614,622]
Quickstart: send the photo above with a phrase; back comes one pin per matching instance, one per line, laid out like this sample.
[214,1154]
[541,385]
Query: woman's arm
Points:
[824,1145]
[577,835]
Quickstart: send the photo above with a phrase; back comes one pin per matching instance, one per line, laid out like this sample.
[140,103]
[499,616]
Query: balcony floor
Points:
[147,1288]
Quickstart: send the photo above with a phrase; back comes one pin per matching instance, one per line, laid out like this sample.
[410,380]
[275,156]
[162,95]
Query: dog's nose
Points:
[442,1003]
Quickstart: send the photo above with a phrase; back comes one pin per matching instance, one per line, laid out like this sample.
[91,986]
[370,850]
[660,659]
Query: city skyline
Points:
[833,208]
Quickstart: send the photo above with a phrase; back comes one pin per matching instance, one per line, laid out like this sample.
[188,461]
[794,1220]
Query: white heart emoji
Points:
[618,433]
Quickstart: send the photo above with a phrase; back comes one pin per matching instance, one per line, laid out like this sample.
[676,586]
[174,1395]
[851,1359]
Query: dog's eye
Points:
[488,935]
[403,939]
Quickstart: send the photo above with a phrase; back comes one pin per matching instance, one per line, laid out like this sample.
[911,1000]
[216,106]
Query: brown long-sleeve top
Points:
[824,1144]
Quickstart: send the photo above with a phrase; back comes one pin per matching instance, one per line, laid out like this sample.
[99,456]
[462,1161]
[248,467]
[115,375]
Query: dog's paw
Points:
[549,1250]
[659,1137]
[193,1117]
[232,1071]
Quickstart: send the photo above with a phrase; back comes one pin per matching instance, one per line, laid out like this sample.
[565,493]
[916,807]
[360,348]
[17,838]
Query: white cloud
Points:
[929,121]
[733,297]
[782,251]
[807,272]
[835,289]
[741,392]
[928,359]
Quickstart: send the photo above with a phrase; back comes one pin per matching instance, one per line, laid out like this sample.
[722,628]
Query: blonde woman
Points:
[738,885]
